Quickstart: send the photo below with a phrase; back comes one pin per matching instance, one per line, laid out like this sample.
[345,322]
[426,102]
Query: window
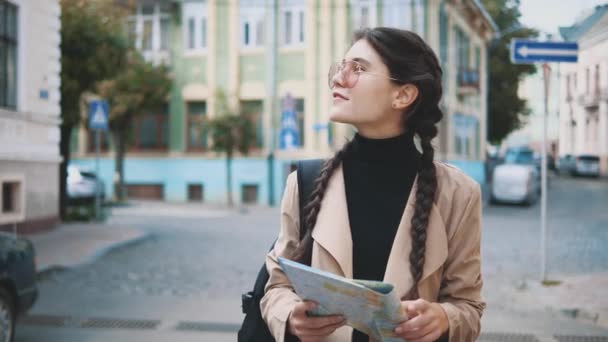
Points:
[8,55]
[252,23]
[12,198]
[150,28]
[255,110]
[150,132]
[463,48]
[364,13]
[397,14]
[408,15]
[249,194]
[197,126]
[196,192]
[293,23]
[195,32]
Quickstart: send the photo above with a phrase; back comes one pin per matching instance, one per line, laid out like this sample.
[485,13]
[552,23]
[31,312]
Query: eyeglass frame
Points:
[331,83]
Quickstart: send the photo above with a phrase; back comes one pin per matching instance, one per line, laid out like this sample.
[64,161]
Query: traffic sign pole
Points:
[543,167]
[533,52]
[97,194]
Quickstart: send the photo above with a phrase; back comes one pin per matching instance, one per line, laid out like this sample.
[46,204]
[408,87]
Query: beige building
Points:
[29,113]
[584,89]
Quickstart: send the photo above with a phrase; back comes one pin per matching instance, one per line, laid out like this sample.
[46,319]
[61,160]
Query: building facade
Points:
[584,85]
[271,57]
[29,113]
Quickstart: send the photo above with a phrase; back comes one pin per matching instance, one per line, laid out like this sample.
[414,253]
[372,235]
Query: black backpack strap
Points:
[254,329]
[308,171]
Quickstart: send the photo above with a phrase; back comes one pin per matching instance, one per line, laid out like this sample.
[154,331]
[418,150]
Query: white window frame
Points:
[156,18]
[196,10]
[19,214]
[297,8]
[357,7]
[252,12]
[397,14]
[401,14]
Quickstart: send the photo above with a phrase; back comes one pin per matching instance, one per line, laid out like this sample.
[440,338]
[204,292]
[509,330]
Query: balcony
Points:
[468,81]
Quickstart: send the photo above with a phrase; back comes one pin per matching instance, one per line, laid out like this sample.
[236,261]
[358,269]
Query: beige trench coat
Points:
[452,269]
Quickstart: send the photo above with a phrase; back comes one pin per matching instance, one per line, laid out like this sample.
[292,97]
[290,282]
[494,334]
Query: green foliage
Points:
[506,111]
[231,132]
[140,87]
[93,48]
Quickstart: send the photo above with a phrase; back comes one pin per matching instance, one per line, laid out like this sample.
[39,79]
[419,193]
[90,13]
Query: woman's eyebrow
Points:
[363,61]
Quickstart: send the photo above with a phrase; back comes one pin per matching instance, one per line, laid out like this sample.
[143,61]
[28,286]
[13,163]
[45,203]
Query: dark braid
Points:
[303,252]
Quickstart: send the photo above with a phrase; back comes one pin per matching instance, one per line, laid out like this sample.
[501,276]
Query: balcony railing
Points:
[468,81]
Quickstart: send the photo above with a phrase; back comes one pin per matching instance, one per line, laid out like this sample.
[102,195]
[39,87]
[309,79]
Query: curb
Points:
[95,256]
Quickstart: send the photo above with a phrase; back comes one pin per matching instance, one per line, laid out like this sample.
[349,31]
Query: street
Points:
[184,282]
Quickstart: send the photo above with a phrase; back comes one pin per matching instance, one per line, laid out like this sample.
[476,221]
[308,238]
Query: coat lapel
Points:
[332,230]
[398,267]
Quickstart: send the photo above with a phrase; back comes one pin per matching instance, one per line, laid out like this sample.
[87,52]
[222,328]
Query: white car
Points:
[587,165]
[515,183]
[81,185]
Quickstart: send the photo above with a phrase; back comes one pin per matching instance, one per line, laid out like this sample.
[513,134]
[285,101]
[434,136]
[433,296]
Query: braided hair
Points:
[407,57]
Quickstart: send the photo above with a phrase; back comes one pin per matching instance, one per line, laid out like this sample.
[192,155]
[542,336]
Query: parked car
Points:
[515,183]
[566,164]
[18,289]
[582,165]
[587,165]
[81,185]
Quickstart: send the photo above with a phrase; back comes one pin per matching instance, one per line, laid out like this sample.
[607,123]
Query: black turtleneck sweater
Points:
[378,176]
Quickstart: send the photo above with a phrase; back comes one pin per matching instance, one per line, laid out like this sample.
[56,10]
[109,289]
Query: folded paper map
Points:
[368,306]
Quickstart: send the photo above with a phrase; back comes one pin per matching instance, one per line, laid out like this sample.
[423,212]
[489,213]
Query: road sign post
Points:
[532,52]
[98,121]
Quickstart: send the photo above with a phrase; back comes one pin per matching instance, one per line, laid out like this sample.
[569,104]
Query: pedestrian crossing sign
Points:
[98,115]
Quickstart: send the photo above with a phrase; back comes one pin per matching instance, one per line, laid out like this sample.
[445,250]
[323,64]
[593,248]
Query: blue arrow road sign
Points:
[98,115]
[529,52]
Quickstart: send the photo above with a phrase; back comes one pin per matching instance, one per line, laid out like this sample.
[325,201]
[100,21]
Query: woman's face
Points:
[368,105]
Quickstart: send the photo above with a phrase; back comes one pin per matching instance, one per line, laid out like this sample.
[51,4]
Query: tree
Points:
[93,48]
[140,87]
[230,133]
[507,112]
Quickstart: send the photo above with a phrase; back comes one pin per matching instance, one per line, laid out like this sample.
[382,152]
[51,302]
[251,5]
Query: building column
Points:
[341,40]
[310,99]
[324,63]
[234,54]
[212,58]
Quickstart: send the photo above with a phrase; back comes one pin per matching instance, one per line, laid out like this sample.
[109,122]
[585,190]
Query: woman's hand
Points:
[311,329]
[427,321]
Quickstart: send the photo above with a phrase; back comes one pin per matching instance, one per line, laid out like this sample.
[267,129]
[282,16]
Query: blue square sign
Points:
[98,115]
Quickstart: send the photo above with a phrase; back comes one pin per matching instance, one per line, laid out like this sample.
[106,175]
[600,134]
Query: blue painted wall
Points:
[176,173]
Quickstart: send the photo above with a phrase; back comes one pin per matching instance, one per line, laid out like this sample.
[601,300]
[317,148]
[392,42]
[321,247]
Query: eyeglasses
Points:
[350,71]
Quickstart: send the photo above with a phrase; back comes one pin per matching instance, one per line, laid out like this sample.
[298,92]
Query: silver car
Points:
[587,165]
[515,183]
[81,185]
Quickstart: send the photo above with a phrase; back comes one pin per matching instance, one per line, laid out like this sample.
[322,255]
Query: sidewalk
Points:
[75,244]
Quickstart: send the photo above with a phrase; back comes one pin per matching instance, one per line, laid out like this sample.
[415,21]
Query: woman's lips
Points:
[338,96]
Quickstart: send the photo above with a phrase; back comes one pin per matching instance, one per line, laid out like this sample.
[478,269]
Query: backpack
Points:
[254,328]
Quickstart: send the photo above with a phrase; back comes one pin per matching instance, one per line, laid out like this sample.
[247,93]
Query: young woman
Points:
[382,208]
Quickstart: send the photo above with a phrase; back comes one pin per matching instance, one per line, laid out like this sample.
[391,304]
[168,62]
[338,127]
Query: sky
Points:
[548,15]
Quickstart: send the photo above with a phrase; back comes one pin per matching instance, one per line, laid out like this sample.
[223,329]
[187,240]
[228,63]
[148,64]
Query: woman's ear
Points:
[405,96]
